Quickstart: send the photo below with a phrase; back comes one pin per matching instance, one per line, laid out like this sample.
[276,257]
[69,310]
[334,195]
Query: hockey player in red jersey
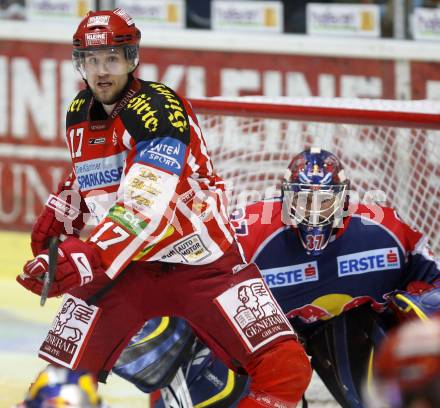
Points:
[162,244]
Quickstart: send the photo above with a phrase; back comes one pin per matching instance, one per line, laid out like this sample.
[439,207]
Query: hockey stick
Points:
[49,276]
[176,394]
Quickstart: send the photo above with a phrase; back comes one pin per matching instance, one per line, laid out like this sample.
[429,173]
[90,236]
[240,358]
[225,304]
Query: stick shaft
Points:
[49,276]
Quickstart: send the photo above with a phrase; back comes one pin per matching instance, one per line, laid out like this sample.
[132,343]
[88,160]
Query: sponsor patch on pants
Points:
[254,313]
[68,335]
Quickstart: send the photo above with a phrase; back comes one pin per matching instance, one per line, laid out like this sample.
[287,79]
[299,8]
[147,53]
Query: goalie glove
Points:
[62,214]
[77,264]
[421,299]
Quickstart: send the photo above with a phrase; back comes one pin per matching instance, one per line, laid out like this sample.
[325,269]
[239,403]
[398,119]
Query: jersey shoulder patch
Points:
[379,214]
[156,111]
[389,220]
[78,109]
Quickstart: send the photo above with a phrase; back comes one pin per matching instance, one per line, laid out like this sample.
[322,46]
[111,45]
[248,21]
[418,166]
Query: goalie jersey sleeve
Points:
[162,198]
[420,262]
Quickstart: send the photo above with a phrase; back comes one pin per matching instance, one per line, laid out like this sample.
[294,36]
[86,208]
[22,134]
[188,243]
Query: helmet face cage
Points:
[105,56]
[313,205]
[314,197]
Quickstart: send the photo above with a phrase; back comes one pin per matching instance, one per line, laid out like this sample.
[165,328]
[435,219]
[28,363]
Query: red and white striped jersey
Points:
[147,178]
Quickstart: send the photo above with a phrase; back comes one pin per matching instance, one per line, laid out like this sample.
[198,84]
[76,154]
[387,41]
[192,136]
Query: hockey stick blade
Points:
[49,276]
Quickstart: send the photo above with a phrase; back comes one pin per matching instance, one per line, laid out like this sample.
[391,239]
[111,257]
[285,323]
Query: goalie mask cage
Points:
[390,149]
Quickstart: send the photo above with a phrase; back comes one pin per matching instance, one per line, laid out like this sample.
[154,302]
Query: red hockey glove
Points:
[58,217]
[77,264]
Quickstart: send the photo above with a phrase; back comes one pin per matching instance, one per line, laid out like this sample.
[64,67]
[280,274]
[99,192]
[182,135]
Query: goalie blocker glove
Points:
[77,264]
[62,214]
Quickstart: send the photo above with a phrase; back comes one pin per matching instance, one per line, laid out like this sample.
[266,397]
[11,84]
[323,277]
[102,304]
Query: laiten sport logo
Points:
[165,153]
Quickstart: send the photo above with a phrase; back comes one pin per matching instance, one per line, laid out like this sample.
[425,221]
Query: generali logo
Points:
[256,316]
[96,38]
[64,337]
[69,332]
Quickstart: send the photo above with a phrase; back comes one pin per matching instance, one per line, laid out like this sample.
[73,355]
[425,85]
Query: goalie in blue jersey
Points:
[344,274]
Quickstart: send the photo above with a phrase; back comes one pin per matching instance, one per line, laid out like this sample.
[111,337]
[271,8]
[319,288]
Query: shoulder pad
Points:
[77,110]
[388,219]
[156,111]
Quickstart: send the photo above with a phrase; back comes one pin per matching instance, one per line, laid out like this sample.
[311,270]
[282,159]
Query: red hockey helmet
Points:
[106,30]
[407,367]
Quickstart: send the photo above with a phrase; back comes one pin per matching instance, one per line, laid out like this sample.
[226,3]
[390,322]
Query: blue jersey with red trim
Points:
[374,253]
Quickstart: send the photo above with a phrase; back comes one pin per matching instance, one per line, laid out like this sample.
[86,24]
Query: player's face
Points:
[106,72]
[315,206]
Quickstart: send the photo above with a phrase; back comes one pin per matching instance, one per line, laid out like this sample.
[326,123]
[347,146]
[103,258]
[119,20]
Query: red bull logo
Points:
[360,300]
[328,306]
[310,313]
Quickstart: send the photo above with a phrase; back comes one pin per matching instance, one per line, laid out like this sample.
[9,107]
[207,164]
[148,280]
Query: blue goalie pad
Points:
[155,353]
[341,349]
[210,383]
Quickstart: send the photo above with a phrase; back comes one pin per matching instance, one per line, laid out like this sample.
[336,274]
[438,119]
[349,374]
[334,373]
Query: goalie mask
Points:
[58,387]
[314,197]
[106,40]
